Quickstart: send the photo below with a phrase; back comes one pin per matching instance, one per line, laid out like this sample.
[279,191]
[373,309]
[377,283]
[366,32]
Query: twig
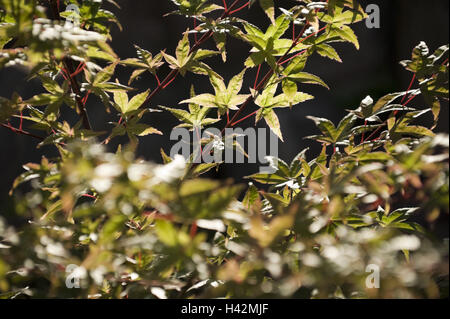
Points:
[240,8]
[224,4]
[409,87]
[22,132]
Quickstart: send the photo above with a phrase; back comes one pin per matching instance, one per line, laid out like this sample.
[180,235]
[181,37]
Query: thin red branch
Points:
[409,87]
[257,76]
[21,121]
[362,136]
[22,132]
[64,74]
[373,133]
[410,99]
[244,118]
[168,83]
[86,97]
[293,31]
[240,8]
[195,34]
[89,196]
[79,69]
[157,79]
[293,57]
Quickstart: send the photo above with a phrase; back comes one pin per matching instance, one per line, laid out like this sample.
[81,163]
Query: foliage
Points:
[138,229]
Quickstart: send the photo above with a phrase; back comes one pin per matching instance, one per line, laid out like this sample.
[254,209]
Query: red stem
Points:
[22,132]
[89,196]
[244,118]
[157,79]
[79,69]
[409,87]
[168,83]
[257,76]
[373,133]
[193,231]
[86,97]
[240,8]
[21,120]
[293,31]
[64,74]
[410,99]
[362,137]
[292,57]
[195,34]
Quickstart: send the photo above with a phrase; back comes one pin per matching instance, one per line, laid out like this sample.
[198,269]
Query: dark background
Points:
[373,70]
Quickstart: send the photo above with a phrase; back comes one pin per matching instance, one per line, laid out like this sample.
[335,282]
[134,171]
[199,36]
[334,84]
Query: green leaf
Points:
[166,232]
[269,9]
[51,85]
[182,51]
[137,101]
[105,74]
[9,107]
[328,51]
[385,101]
[207,100]
[289,90]
[182,115]
[374,157]
[225,98]
[125,106]
[203,168]
[121,99]
[347,34]
[144,130]
[42,99]
[303,77]
[325,126]
[235,85]
[272,121]
[331,134]
[296,65]
[414,130]
[251,196]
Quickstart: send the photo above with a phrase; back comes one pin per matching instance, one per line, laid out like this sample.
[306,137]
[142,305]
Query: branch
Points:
[67,62]
[22,132]
[76,90]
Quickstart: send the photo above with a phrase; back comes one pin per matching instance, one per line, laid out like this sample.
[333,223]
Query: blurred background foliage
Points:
[137,229]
